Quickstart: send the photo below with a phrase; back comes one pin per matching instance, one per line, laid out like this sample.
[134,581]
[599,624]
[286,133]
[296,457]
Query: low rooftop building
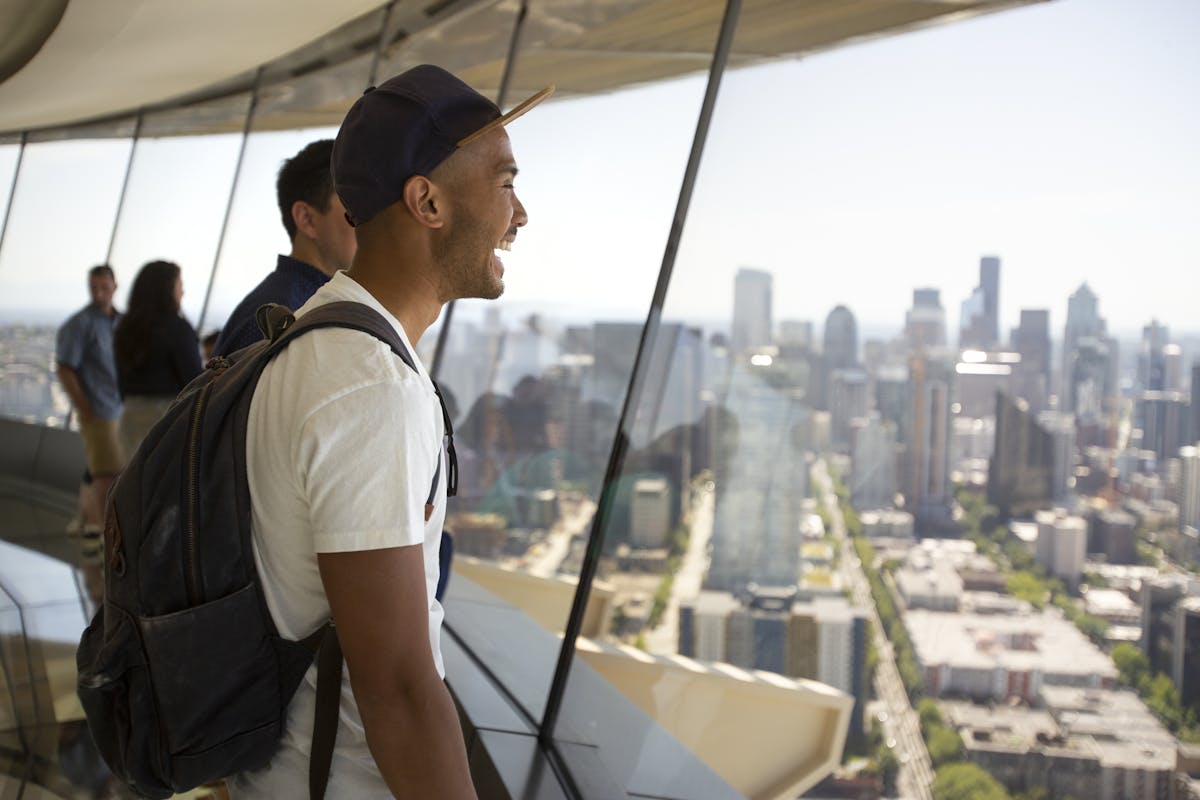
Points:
[997,656]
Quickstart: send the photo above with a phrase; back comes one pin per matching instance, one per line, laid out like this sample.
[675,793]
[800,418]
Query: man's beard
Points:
[465,256]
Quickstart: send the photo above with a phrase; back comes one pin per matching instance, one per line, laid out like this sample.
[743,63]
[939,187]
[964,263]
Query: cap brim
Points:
[504,119]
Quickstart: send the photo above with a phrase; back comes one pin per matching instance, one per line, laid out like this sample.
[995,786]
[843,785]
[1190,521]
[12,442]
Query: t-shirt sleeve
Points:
[68,344]
[366,461]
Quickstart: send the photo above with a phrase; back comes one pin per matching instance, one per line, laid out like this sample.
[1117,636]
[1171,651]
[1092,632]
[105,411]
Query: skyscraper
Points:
[1189,487]
[839,352]
[979,323]
[1194,415]
[847,402]
[751,309]
[650,513]
[841,339]
[760,490]
[1152,358]
[873,464]
[1089,358]
[1061,428]
[1020,473]
[1032,340]
[925,322]
[927,495]
[1185,654]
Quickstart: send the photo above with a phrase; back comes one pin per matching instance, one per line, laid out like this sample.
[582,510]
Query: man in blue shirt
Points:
[322,243]
[88,373]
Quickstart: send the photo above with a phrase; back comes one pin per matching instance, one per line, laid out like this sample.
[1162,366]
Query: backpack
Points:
[182,673]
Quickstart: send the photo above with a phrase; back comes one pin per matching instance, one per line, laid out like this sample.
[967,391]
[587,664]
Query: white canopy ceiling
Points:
[66,63]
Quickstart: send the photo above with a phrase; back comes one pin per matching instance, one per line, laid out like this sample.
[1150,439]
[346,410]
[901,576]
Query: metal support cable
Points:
[514,44]
[237,173]
[376,59]
[137,133]
[12,189]
[600,521]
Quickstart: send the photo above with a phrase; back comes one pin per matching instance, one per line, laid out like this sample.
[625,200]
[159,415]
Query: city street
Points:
[544,558]
[664,640]
[902,725]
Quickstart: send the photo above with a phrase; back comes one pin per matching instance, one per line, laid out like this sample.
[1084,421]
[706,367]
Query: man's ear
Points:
[304,217]
[425,201]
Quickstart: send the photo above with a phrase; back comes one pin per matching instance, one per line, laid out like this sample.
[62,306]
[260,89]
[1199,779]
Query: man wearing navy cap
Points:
[345,440]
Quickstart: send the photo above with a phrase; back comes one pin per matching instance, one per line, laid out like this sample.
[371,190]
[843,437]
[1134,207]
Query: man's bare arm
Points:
[74,389]
[382,616]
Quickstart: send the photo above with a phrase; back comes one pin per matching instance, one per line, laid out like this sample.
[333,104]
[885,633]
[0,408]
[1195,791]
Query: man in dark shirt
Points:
[322,243]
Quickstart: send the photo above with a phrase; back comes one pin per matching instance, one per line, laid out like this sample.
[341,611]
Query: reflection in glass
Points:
[540,375]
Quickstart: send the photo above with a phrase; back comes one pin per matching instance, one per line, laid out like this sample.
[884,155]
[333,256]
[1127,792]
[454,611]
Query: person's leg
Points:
[104,463]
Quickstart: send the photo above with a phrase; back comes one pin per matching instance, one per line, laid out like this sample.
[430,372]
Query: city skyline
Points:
[881,167]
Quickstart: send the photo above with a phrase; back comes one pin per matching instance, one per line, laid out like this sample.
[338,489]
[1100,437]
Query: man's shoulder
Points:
[77,323]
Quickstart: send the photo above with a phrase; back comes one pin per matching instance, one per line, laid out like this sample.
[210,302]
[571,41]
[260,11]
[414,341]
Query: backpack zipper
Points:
[192,572]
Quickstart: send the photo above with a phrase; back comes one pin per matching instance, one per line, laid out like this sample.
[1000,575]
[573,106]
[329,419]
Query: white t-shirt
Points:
[342,446]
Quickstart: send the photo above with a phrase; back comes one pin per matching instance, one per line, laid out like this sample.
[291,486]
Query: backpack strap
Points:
[325,716]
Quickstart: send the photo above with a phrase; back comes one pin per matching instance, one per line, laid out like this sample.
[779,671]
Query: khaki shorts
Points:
[100,446]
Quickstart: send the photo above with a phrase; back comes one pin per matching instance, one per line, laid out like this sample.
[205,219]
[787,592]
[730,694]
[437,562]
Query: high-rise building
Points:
[1114,535]
[839,350]
[873,463]
[1062,544]
[1031,339]
[1021,470]
[840,343]
[1089,359]
[847,402]
[1189,487]
[1163,420]
[751,310]
[1173,368]
[762,485]
[1159,597]
[978,375]
[979,324]
[1152,361]
[892,398]
[1194,416]
[925,322]
[1062,428]
[650,513]
[796,333]
[1185,654]
[927,493]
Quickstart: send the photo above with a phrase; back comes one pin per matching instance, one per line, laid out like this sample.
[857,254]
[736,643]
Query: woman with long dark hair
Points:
[156,350]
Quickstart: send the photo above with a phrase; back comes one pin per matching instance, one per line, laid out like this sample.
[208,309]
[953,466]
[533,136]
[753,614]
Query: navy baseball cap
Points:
[407,126]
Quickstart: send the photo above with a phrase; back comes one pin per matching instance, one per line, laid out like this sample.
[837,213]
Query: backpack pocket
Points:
[220,708]
[114,688]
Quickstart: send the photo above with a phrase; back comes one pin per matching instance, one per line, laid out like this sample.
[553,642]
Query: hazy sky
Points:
[1061,137]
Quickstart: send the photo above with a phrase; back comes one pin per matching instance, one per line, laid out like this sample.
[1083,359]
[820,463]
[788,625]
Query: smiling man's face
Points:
[484,215]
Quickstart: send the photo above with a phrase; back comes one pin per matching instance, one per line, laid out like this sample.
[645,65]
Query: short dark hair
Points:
[101,271]
[305,176]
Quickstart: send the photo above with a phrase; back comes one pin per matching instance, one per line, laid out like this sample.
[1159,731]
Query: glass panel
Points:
[59,226]
[538,377]
[791,362]
[178,188]
[13,701]
[256,235]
